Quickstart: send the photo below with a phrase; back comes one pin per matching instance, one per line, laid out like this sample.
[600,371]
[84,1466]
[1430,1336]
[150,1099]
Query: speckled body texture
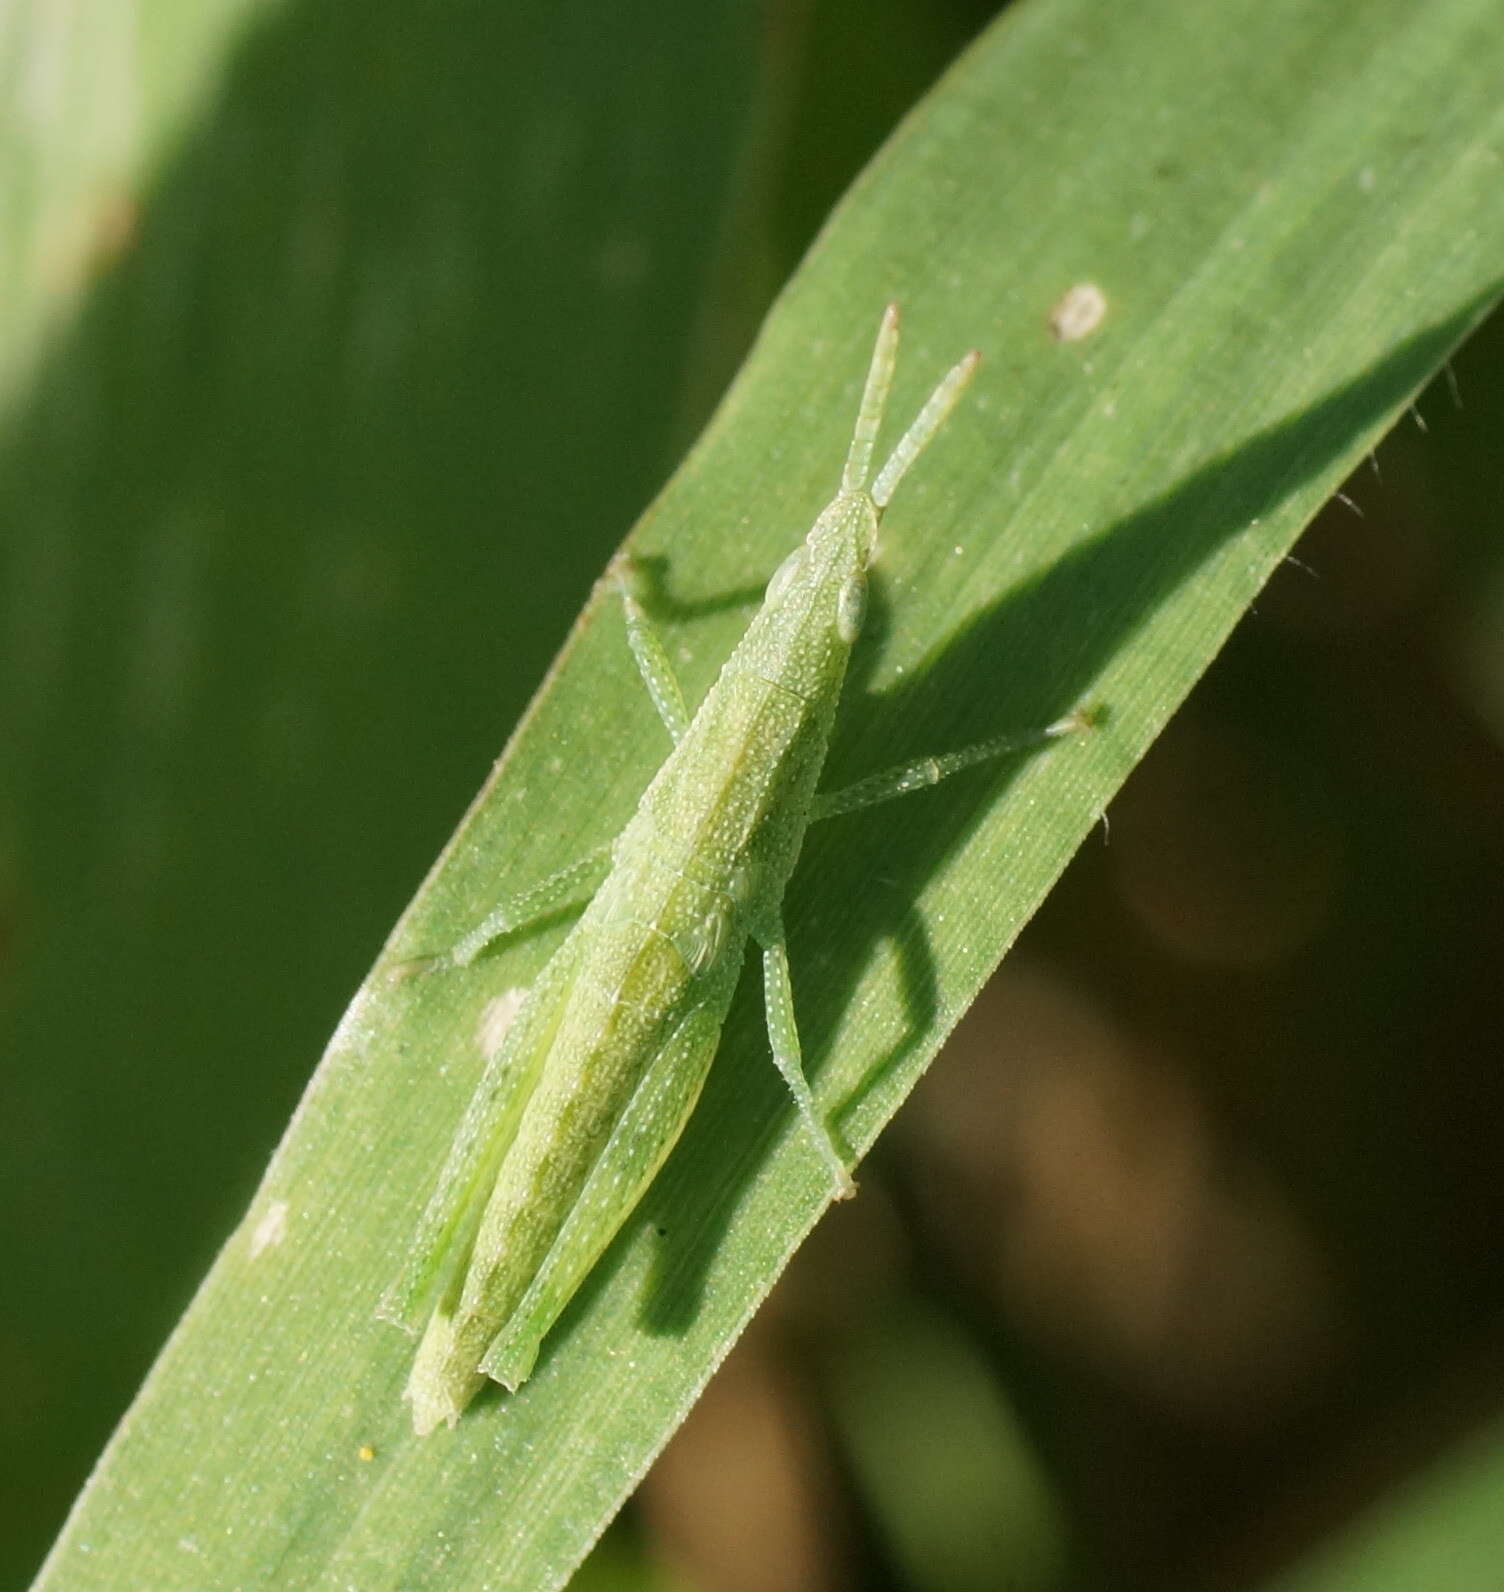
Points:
[606,1058]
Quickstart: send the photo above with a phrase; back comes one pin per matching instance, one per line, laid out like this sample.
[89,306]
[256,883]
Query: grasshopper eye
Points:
[783,576]
[851,608]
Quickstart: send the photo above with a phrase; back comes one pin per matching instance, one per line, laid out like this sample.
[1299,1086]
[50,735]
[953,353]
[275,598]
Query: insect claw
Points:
[1091,717]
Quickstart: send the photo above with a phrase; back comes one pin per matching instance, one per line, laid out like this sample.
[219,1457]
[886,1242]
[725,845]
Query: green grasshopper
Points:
[593,1082]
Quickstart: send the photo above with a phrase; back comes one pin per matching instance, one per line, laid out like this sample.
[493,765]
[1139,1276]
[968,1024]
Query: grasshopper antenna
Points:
[926,423]
[874,398]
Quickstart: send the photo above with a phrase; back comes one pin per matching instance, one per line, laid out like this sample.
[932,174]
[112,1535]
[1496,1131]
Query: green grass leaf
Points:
[1291,218]
[1439,1527]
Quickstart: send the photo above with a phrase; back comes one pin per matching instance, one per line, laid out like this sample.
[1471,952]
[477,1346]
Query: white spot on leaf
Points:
[1080,311]
[270,1230]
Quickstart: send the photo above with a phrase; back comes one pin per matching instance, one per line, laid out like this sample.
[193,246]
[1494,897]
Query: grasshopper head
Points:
[843,541]
[817,599]
[857,507]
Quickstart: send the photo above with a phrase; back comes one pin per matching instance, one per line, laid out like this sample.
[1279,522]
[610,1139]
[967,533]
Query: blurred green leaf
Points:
[1440,1529]
[307,384]
[1290,219]
[945,1465]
